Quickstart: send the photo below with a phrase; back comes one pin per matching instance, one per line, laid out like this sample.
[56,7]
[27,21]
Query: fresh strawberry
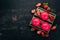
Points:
[45,6]
[38,13]
[38,4]
[33,11]
[51,18]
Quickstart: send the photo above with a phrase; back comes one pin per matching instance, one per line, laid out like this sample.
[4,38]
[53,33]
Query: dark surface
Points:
[19,29]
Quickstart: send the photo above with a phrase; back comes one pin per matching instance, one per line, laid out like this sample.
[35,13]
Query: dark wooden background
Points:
[21,10]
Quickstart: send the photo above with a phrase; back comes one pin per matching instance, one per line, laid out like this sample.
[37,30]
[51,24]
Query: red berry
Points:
[44,15]
[51,18]
[45,26]
[39,32]
[53,28]
[35,21]
[38,13]
[38,4]
[47,35]
[45,6]
[42,34]
[32,29]
[33,11]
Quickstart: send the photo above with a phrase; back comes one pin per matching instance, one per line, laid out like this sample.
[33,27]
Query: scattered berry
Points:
[38,4]
[51,18]
[53,28]
[32,29]
[47,35]
[42,34]
[33,11]
[45,6]
[39,32]
[38,13]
